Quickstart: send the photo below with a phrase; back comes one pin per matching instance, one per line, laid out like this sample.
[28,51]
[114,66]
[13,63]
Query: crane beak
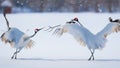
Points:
[40,29]
[68,22]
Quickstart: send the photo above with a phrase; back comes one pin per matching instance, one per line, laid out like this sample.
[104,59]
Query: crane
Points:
[17,39]
[85,37]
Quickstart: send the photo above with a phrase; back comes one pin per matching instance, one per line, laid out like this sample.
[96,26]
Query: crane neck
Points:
[30,36]
[80,23]
[7,22]
[33,35]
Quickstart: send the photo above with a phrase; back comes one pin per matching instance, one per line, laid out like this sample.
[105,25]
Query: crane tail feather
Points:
[4,39]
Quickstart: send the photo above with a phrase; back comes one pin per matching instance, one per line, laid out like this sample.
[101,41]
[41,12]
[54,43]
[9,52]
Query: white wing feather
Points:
[77,31]
[16,38]
[110,28]
[85,37]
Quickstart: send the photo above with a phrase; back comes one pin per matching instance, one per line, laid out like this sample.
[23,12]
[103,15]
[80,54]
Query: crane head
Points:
[38,29]
[73,20]
[76,19]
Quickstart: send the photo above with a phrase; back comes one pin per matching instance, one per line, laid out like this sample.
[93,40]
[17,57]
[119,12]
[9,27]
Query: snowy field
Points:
[50,51]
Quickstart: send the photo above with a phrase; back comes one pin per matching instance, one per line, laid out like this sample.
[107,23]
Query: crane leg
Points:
[92,55]
[15,54]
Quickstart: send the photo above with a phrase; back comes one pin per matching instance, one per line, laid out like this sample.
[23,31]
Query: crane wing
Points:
[110,28]
[75,30]
[28,43]
[13,34]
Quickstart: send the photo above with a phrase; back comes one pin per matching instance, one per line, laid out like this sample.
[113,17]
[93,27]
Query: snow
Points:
[51,51]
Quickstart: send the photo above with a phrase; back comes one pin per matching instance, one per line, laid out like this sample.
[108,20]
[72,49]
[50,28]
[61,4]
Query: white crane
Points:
[85,37]
[17,38]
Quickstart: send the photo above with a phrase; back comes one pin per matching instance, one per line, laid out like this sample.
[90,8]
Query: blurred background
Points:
[97,6]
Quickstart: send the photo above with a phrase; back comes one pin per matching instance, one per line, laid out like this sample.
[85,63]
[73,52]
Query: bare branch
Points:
[50,28]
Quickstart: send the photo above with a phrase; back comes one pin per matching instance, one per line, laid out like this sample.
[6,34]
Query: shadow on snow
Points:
[42,59]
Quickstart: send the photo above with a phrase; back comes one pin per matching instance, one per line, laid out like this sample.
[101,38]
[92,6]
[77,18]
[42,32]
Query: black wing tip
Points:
[110,19]
[116,20]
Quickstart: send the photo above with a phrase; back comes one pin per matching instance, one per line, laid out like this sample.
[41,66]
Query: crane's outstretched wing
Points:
[110,28]
[78,32]
[26,42]
[13,35]
[16,37]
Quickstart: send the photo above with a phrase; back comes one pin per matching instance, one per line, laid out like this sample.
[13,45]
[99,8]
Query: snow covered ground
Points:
[51,51]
